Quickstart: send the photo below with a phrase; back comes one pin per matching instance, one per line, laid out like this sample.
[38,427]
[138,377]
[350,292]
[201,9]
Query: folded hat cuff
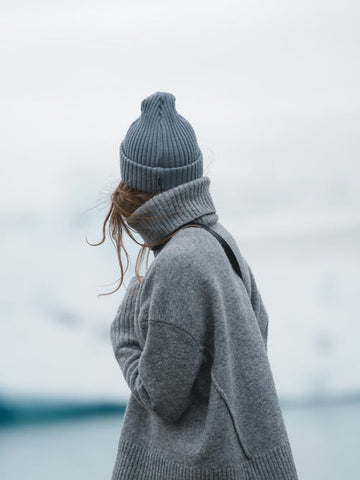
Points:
[157,179]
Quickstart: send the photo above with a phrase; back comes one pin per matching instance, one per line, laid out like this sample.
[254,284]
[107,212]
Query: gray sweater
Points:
[191,341]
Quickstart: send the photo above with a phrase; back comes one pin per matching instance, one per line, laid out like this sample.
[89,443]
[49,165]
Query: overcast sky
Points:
[271,89]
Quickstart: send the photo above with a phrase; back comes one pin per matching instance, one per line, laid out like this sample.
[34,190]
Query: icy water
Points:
[324,440]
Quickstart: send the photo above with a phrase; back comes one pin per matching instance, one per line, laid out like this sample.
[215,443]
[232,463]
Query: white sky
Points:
[271,89]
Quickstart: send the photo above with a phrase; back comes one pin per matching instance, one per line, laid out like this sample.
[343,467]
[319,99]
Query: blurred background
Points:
[271,89]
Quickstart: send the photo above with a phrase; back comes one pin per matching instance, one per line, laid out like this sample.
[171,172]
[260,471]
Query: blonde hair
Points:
[124,200]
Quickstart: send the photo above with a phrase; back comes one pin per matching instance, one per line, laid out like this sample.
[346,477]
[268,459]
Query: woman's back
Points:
[191,337]
[203,402]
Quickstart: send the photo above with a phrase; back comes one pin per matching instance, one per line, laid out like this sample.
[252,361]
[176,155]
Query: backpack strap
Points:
[228,250]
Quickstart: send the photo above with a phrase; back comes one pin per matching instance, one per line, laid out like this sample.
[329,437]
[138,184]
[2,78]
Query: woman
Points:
[190,336]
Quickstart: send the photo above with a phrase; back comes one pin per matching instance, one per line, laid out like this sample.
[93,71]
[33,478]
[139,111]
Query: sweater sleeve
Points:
[259,308]
[162,373]
[123,335]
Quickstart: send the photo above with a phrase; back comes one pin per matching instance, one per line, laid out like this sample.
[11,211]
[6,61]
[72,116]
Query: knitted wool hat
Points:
[160,149]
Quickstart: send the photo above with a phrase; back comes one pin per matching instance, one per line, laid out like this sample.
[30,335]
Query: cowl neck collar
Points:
[167,211]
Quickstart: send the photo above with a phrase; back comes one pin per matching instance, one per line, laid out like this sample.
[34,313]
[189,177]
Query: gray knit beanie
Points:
[160,149]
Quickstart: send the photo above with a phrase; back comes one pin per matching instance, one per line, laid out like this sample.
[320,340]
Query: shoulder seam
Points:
[157,320]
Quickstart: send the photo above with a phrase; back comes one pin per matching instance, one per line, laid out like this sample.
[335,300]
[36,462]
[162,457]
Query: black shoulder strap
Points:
[228,250]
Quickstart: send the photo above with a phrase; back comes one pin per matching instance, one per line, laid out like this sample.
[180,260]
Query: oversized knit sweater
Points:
[191,342]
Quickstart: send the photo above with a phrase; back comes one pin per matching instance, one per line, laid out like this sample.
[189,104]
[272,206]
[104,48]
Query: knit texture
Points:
[167,211]
[160,149]
[191,341]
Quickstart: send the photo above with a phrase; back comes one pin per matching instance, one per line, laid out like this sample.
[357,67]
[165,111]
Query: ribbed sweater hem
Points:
[135,462]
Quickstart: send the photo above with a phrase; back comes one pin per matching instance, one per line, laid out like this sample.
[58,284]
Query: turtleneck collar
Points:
[165,212]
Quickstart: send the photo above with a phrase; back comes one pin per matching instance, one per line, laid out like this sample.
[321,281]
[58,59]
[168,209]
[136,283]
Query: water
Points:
[82,449]
[324,441]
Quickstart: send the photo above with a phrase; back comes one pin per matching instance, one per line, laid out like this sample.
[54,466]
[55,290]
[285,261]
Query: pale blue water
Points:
[324,440]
